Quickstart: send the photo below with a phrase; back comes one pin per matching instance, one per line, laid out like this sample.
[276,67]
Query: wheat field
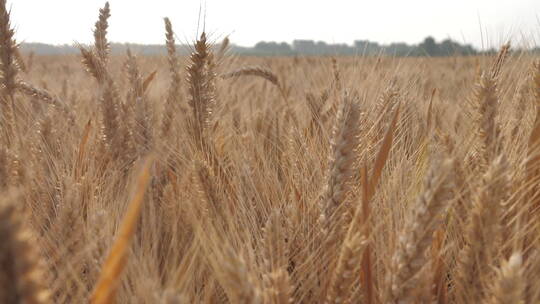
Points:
[212,178]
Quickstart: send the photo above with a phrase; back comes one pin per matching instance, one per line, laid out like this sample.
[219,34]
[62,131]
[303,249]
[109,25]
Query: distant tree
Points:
[399,49]
[304,46]
[366,47]
[299,47]
[430,47]
[272,48]
[449,47]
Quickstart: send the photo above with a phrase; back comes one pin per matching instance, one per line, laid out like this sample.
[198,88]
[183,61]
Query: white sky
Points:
[250,21]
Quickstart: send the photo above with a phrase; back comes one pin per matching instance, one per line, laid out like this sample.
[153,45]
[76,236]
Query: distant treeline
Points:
[428,47]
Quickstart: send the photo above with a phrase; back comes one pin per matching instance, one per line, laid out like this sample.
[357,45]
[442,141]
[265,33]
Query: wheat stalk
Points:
[109,278]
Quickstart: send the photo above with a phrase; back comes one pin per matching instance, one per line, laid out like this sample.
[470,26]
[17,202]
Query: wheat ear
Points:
[510,285]
[409,258]
[100,33]
[482,233]
[21,277]
[346,272]
[8,66]
[173,96]
[201,91]
[342,159]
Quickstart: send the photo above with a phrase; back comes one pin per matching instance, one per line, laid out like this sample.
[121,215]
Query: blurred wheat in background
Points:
[220,179]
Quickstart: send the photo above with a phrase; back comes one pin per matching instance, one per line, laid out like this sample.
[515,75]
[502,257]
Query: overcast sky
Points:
[250,21]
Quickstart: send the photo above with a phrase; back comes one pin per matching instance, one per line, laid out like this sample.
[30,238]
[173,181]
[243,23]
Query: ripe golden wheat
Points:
[132,179]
